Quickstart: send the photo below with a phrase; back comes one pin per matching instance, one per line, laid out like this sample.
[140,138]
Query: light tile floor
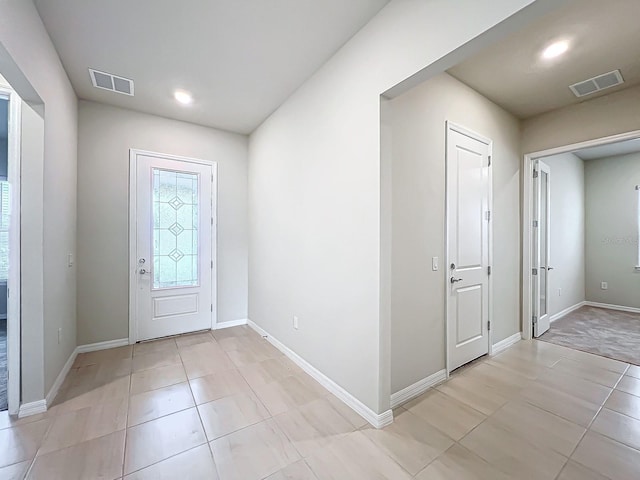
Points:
[227,405]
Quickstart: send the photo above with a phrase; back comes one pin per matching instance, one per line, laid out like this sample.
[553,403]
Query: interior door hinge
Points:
[534,271]
[211,220]
[489,325]
[535,174]
[488,215]
[489,160]
[489,270]
[535,320]
[535,223]
[211,263]
[212,307]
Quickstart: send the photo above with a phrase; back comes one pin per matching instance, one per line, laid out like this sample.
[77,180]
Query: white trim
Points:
[502,345]
[377,420]
[40,406]
[133,185]
[527,214]
[14,317]
[612,307]
[229,324]
[449,125]
[566,311]
[53,391]
[94,347]
[417,389]
[32,408]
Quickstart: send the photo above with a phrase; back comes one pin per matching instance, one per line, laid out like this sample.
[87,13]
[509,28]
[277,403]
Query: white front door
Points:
[541,247]
[468,217]
[173,259]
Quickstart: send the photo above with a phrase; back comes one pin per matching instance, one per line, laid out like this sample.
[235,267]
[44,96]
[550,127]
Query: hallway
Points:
[228,405]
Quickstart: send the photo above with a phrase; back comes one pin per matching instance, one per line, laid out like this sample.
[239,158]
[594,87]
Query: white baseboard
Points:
[566,311]
[229,324]
[94,347]
[53,391]
[40,406]
[417,389]
[375,419]
[502,345]
[613,307]
[32,408]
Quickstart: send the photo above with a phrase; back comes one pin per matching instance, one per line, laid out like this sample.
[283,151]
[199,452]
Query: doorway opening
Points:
[582,253]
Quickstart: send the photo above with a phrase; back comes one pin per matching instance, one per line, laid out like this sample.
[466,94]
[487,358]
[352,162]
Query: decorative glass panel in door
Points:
[175,229]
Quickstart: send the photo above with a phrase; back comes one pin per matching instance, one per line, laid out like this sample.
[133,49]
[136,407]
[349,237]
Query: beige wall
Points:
[612,229]
[567,232]
[35,71]
[105,136]
[600,117]
[314,192]
[417,121]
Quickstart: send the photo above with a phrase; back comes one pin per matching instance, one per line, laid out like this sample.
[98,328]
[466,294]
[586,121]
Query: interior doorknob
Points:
[143,271]
[455,280]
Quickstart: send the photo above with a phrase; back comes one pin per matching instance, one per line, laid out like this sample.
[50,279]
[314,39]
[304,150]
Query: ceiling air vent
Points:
[596,84]
[110,82]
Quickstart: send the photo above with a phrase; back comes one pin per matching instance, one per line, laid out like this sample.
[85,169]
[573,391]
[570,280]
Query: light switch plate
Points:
[435,264]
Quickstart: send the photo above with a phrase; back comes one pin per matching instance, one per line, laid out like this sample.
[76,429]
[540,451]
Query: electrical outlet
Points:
[59,335]
[604,286]
[434,264]
[295,322]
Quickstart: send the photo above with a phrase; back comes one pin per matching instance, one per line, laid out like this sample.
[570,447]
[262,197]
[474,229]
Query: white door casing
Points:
[468,183]
[172,245]
[14,318]
[541,242]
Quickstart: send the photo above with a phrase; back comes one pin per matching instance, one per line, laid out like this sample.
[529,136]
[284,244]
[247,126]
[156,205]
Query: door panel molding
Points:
[133,233]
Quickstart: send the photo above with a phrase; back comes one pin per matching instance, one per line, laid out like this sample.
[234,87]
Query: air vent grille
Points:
[113,83]
[596,84]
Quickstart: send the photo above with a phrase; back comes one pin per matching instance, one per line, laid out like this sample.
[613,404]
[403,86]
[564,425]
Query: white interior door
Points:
[173,262]
[468,220]
[541,247]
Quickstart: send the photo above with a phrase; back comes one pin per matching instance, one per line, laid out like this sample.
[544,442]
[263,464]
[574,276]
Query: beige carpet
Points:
[609,333]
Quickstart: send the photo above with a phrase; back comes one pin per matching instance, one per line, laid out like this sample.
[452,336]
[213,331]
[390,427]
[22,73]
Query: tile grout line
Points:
[126,420]
[588,428]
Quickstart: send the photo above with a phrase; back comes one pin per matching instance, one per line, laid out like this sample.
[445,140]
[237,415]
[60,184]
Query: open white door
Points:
[541,247]
[468,221]
[174,230]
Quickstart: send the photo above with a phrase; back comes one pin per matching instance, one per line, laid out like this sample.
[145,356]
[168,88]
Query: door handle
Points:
[455,280]
[142,271]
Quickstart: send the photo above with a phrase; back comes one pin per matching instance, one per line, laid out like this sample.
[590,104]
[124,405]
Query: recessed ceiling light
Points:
[183,97]
[555,49]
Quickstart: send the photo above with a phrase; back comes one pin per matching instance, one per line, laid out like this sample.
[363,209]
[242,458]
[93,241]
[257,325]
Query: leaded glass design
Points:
[175,229]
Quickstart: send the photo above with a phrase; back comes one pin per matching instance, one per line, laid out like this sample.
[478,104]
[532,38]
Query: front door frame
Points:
[133,233]
[449,125]
[528,215]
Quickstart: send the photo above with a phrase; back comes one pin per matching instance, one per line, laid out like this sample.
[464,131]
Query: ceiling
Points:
[239,58]
[603,36]
[610,150]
